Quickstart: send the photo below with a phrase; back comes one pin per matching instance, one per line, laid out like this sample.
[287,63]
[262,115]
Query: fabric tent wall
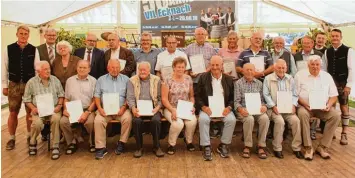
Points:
[348,36]
[8,36]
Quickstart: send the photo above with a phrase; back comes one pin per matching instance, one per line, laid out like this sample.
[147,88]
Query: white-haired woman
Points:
[64,65]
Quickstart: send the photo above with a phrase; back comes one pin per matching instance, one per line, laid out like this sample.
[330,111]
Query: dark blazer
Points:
[64,73]
[127,55]
[97,61]
[205,89]
[298,56]
[43,53]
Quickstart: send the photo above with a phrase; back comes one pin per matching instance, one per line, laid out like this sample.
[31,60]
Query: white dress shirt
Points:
[166,59]
[217,86]
[86,54]
[115,54]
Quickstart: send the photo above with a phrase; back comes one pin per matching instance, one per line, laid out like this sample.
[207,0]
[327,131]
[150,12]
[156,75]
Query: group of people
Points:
[209,18]
[90,74]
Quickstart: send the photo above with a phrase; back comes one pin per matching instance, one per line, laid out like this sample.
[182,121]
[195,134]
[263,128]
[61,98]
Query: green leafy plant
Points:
[193,40]
[71,37]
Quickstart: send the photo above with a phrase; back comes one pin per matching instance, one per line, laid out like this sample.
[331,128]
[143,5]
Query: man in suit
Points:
[94,55]
[47,50]
[122,54]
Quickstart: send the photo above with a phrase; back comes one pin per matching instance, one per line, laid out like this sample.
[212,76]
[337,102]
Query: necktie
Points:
[89,55]
[51,54]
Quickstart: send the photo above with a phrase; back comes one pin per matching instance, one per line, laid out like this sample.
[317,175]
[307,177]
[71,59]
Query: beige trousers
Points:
[248,126]
[331,118]
[65,126]
[177,125]
[37,125]
[100,124]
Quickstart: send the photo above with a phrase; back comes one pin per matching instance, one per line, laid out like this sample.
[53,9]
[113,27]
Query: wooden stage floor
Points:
[17,163]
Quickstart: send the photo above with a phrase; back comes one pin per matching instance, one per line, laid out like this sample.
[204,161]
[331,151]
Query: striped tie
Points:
[51,54]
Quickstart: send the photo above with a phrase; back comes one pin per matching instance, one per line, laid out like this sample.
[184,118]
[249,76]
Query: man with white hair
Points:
[47,51]
[281,53]
[145,86]
[301,57]
[308,83]
[18,66]
[95,56]
[41,84]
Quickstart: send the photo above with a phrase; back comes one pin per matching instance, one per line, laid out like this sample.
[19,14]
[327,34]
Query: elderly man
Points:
[79,87]
[273,83]
[113,82]
[123,55]
[36,88]
[249,84]
[18,67]
[281,53]
[309,82]
[321,39]
[339,63]
[47,50]
[307,51]
[92,54]
[147,53]
[255,55]
[165,58]
[145,86]
[215,83]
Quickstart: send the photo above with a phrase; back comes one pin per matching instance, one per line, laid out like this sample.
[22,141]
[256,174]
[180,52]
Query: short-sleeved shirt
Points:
[80,89]
[305,83]
[166,59]
[226,53]
[245,56]
[178,90]
[151,57]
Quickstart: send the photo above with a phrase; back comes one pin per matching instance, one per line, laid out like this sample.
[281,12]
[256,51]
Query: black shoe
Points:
[100,153]
[298,154]
[10,145]
[171,150]
[213,134]
[223,150]
[138,153]
[190,147]
[207,153]
[28,140]
[120,148]
[278,154]
[92,149]
[44,138]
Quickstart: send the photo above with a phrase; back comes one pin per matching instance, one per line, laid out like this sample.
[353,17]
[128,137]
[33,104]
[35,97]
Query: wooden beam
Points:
[6,22]
[344,24]
[52,22]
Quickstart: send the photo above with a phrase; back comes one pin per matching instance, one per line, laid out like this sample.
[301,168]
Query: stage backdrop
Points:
[177,15]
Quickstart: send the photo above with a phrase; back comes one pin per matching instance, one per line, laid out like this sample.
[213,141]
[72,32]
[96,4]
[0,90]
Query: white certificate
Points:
[111,102]
[253,103]
[145,107]
[216,104]
[75,110]
[317,99]
[258,62]
[284,101]
[229,68]
[184,109]
[45,104]
[301,65]
[122,63]
[197,64]
[166,71]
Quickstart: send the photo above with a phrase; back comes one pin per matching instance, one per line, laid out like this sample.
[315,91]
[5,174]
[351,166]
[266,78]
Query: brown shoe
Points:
[10,144]
[158,152]
[343,139]
[323,152]
[308,155]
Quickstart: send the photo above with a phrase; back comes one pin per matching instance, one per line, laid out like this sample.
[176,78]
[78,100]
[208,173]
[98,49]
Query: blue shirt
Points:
[108,84]
[244,57]
[150,57]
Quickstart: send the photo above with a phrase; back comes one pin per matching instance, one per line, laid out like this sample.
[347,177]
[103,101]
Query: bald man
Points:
[255,55]
[113,82]
[280,81]
[120,53]
[249,84]
[215,83]
[93,55]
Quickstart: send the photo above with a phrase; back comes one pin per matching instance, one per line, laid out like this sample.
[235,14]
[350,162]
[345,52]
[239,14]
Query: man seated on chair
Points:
[44,83]
[79,87]
[281,81]
[145,86]
[308,82]
[249,84]
[215,83]
[113,82]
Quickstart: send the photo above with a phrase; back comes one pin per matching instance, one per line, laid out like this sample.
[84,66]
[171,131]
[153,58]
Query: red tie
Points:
[89,52]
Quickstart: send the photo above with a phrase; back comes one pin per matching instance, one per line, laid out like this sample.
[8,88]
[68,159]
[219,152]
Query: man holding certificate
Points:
[261,59]
[44,96]
[79,105]
[282,99]
[317,95]
[143,93]
[301,57]
[249,104]
[215,96]
[110,100]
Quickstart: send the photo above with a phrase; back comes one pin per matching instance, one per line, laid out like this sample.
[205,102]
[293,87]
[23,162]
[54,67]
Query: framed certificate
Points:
[198,64]
[258,63]
[145,107]
[111,102]
[45,104]
[75,110]
[253,103]
[184,109]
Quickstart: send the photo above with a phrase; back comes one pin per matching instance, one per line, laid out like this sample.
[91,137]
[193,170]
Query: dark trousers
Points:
[155,127]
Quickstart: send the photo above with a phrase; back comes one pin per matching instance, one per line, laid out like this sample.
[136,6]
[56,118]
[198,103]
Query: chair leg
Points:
[49,139]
